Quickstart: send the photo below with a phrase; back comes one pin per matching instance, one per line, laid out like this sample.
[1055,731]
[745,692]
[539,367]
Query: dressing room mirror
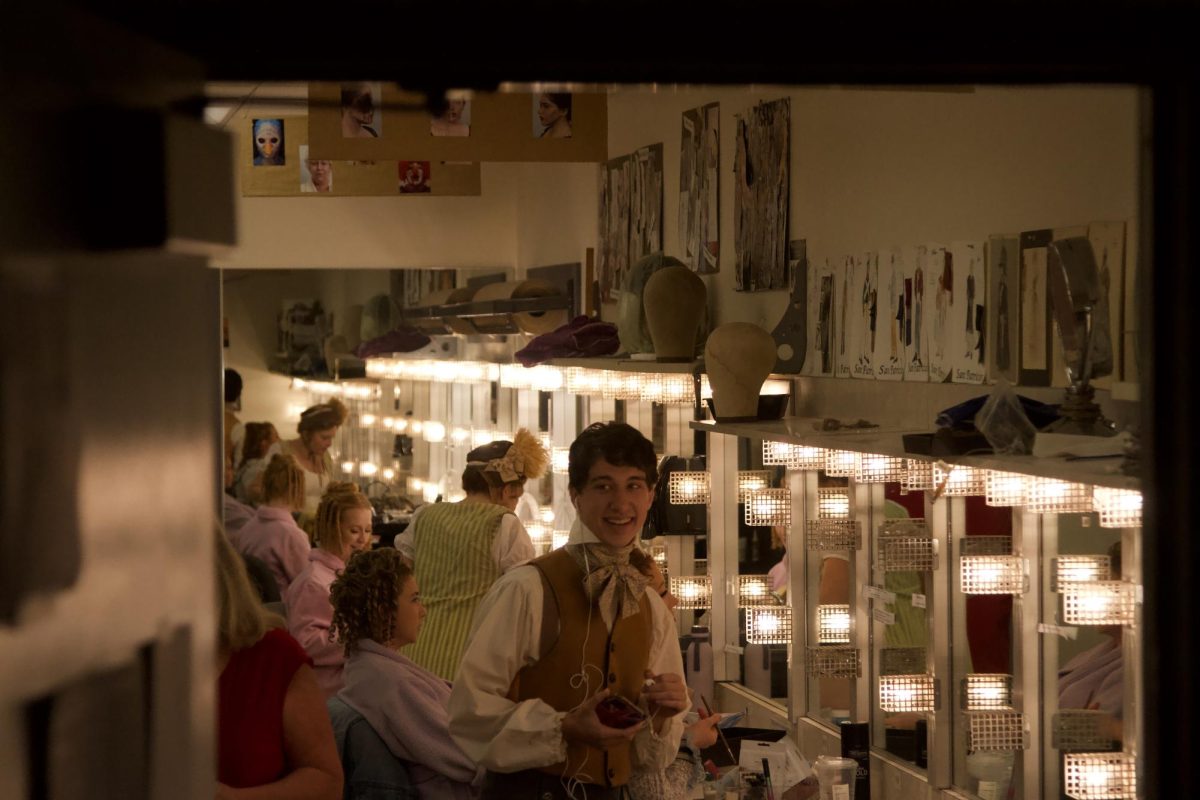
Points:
[1090,606]
[987,578]
[902,566]
[831,535]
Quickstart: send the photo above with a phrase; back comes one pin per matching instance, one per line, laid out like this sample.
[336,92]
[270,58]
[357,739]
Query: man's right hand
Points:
[583,726]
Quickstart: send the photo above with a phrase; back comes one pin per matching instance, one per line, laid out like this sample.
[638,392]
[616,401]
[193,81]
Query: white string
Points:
[577,781]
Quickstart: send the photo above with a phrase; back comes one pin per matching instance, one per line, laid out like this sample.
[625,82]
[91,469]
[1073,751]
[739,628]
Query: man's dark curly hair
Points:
[617,443]
[365,595]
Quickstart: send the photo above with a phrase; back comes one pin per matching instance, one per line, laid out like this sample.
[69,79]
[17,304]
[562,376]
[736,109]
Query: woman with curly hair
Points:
[273,732]
[317,428]
[343,527]
[458,550]
[377,610]
[271,535]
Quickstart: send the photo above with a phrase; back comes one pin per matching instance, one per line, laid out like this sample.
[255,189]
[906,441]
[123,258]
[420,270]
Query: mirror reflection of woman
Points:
[317,428]
[554,114]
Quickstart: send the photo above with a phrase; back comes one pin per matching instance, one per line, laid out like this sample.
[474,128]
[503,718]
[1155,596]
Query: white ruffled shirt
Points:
[505,637]
[511,546]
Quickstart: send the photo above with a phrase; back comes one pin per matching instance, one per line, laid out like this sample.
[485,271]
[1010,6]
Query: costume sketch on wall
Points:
[968,324]
[699,162]
[631,203]
[940,272]
[1108,245]
[888,357]
[268,143]
[1035,309]
[1004,309]
[821,328]
[760,200]
[916,315]
[843,347]
[863,314]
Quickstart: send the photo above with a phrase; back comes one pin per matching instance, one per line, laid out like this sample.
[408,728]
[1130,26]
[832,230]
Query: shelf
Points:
[890,442]
[631,365]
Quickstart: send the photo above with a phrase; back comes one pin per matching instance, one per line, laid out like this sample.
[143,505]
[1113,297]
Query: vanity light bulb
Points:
[348,467]
[480,438]
[546,514]
[992,575]
[559,539]
[560,460]
[755,590]
[415,485]
[693,592]
[987,692]
[389,423]
[769,625]
[401,425]
[435,432]
[1099,776]
[460,435]
[367,419]
[430,492]
[833,624]
[768,507]
[1119,508]
[1005,489]
[833,504]
[389,474]
[416,426]
[539,534]
[688,488]
[839,463]
[367,469]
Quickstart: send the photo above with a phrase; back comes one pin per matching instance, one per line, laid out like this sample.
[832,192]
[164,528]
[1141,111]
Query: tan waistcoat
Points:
[621,657]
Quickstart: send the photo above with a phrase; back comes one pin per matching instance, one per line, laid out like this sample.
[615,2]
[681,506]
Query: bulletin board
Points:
[290,177]
[503,127]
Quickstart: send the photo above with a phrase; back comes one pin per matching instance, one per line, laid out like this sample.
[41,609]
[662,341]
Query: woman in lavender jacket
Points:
[376,611]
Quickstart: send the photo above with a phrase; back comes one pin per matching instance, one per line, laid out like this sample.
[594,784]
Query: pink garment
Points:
[406,705]
[235,514]
[274,538]
[310,614]
[1094,679]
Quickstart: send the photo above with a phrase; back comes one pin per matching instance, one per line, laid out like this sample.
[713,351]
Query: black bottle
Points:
[856,744]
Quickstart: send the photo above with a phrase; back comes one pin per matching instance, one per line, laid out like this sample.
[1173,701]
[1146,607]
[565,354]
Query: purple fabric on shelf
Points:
[400,340]
[582,337]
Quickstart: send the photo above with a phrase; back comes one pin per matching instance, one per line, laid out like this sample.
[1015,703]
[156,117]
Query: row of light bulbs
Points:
[353,391]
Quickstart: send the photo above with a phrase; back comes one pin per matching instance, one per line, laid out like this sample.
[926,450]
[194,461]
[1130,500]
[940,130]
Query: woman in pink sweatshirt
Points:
[376,611]
[343,526]
[271,535]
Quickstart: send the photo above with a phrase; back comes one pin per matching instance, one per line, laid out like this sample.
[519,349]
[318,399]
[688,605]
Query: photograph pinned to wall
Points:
[863,305]
[361,115]
[888,356]
[968,322]
[414,177]
[316,174]
[268,143]
[411,286]
[916,315]
[760,207]
[455,120]
[1003,295]
[1108,245]
[1035,309]
[699,162]
[631,204]
[822,297]
[552,115]
[791,332]
[939,271]
[843,347]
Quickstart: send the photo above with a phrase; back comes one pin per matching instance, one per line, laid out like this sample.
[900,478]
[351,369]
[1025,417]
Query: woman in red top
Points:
[274,735]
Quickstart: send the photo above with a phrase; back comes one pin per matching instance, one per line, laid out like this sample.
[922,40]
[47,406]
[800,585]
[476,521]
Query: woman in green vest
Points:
[458,550]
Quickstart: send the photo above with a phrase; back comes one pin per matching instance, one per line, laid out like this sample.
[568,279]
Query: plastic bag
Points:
[1003,422]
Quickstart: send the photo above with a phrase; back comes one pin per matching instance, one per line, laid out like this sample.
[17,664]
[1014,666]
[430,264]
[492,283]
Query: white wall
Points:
[876,168]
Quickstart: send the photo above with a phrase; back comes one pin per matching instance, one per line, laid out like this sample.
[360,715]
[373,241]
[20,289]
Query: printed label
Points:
[918,601]
[886,617]
[881,595]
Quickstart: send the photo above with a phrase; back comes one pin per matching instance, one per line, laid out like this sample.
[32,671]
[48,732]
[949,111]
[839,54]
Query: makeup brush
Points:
[720,735]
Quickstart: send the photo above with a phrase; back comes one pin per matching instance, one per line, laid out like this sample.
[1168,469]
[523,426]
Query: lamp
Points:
[792,456]
[348,467]
[840,463]
[368,469]
[768,507]
[996,731]
[833,503]
[689,488]
[1050,496]
[1119,508]
[434,432]
[1098,603]
[539,534]
[1005,488]
[1065,570]
[986,692]
[366,420]
[480,437]
[619,385]
[832,662]
[901,660]
[693,591]
[873,468]
[959,481]
[752,479]
[560,460]
[546,514]
[993,574]
[755,590]
[581,380]
[833,624]
[430,492]
[1080,729]
[918,475]
[769,625]
[1099,776]
[901,693]
[906,546]
[833,534]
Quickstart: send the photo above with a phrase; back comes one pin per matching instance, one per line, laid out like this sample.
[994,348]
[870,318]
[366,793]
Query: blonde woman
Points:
[377,610]
[257,448]
[343,527]
[272,536]
[317,428]
[273,731]
[458,550]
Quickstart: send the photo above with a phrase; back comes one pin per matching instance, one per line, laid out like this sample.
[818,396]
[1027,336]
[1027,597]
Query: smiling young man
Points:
[554,638]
